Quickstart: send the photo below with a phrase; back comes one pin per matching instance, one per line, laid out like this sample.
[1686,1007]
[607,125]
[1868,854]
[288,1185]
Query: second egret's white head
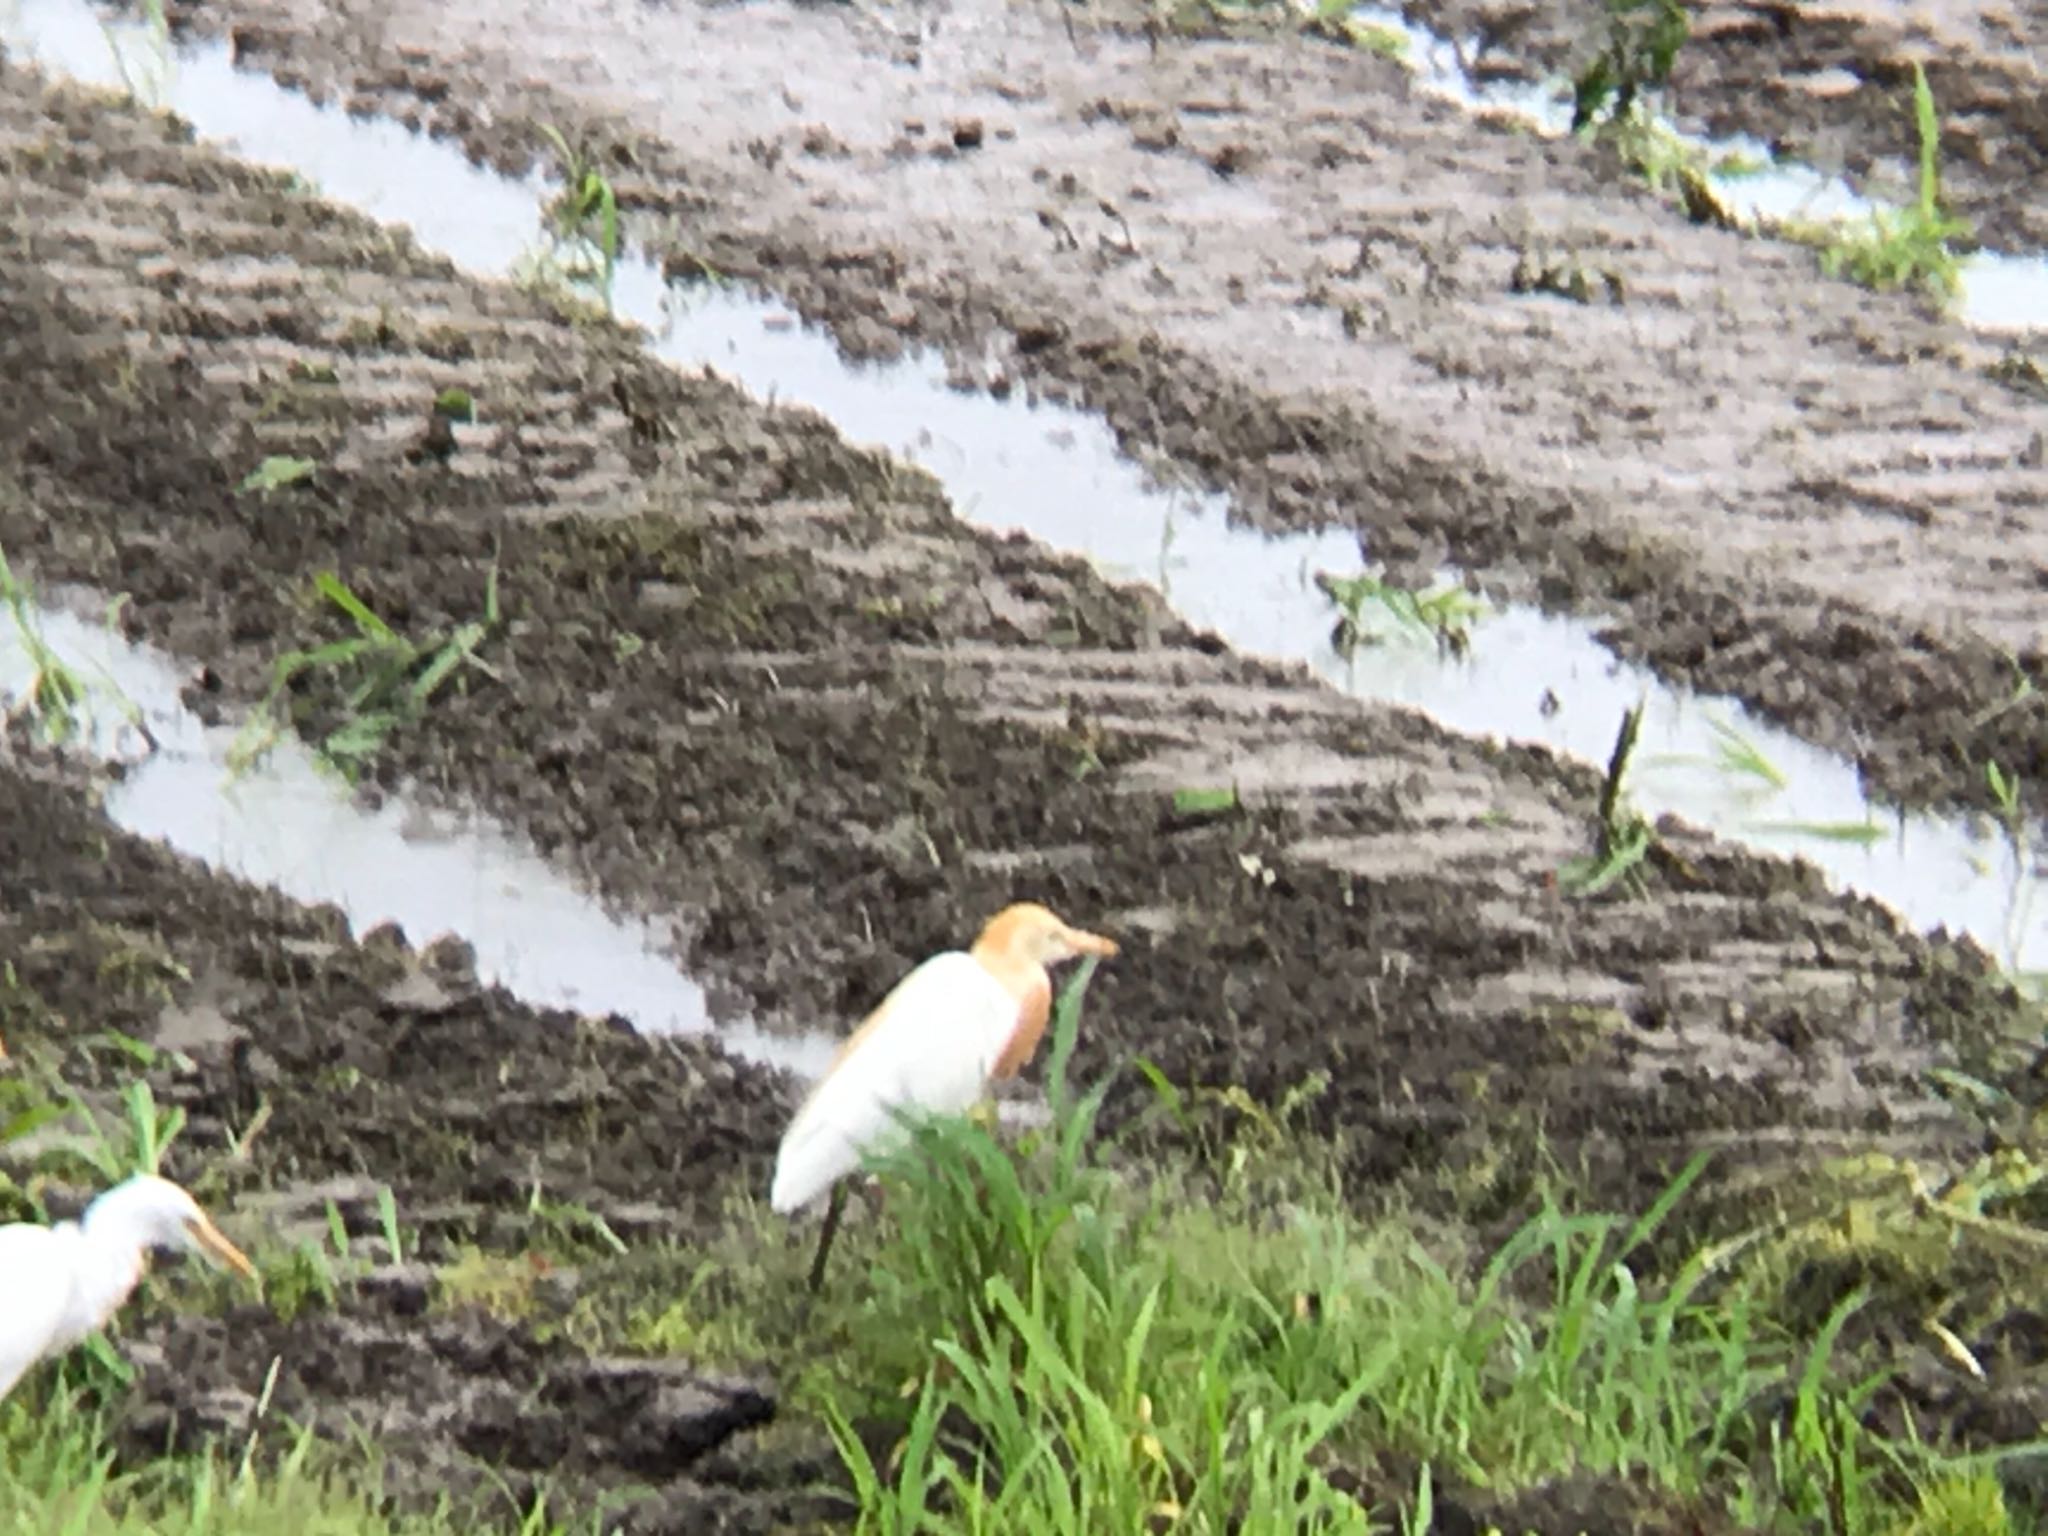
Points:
[155,1213]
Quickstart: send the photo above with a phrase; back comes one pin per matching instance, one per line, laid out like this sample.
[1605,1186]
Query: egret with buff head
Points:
[60,1284]
[955,1025]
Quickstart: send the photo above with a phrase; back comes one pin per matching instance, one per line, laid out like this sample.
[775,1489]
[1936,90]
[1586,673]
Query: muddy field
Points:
[767,687]
[1285,269]
[1831,85]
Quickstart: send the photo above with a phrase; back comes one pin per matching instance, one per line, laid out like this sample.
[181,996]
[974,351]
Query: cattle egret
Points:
[953,1026]
[58,1284]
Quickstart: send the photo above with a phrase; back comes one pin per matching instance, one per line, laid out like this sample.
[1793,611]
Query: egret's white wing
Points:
[930,1046]
[37,1275]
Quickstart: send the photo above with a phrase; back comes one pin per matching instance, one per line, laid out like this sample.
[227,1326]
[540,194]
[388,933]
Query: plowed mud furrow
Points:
[1780,486]
[1831,84]
[111,237]
[827,756]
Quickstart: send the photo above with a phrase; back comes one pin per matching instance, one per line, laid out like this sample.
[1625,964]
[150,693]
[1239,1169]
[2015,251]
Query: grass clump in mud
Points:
[2017,834]
[41,687]
[61,1478]
[582,250]
[1909,247]
[1057,1339]
[52,694]
[52,1132]
[1635,58]
[276,473]
[1335,20]
[1623,836]
[1611,96]
[142,53]
[1369,606]
[367,684]
[55,1132]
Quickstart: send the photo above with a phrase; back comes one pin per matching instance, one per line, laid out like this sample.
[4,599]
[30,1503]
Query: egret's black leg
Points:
[833,1211]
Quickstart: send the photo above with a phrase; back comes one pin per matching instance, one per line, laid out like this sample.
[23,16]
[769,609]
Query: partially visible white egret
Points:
[59,1284]
[954,1025]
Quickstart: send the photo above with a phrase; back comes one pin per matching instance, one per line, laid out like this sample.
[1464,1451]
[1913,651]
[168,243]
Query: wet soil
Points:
[375,1066]
[1831,86]
[1280,267]
[767,685]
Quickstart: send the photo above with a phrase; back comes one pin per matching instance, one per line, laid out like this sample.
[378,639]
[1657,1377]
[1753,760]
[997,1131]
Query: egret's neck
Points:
[116,1249]
[1019,977]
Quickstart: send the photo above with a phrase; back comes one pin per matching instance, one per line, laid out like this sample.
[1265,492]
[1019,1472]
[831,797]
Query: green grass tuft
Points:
[54,696]
[1642,41]
[1062,1348]
[378,680]
[1367,601]
[61,1481]
[1909,247]
[582,225]
[276,473]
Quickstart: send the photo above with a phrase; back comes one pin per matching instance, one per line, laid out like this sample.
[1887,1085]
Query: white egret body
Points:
[954,1025]
[58,1284]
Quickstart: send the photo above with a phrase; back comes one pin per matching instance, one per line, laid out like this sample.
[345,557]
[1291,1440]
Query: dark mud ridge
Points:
[768,684]
[1280,267]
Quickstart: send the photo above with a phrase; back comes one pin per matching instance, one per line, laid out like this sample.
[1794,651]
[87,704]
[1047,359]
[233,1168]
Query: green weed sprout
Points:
[1911,246]
[55,695]
[384,680]
[62,1479]
[583,219]
[1625,837]
[1642,43]
[1446,614]
[277,472]
[149,89]
[2006,795]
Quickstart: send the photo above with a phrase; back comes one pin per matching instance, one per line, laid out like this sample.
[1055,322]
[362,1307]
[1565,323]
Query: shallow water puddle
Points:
[2000,292]
[291,825]
[1056,473]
